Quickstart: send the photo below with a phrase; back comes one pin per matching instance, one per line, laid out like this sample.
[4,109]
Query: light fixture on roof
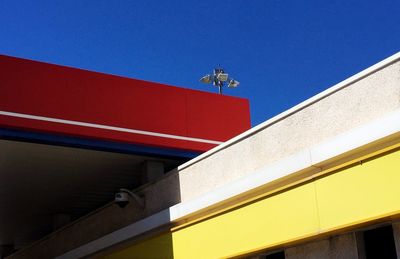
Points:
[206,79]
[219,78]
[222,77]
[233,83]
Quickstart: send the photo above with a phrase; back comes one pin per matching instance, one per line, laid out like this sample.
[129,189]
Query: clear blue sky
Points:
[282,52]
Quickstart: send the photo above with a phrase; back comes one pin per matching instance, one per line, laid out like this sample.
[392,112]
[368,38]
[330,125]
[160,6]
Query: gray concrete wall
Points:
[396,234]
[357,104]
[158,196]
[337,247]
[360,102]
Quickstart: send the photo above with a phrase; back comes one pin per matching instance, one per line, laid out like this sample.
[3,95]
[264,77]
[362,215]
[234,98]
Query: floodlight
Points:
[223,77]
[206,79]
[233,83]
[220,79]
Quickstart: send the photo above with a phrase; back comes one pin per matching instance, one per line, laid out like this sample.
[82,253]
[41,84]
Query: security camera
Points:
[122,198]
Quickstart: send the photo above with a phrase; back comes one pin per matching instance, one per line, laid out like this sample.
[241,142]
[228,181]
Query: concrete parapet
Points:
[337,247]
[358,101]
[361,101]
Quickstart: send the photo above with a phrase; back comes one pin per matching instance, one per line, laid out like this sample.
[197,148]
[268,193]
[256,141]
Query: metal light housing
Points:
[233,83]
[223,77]
[206,79]
[220,79]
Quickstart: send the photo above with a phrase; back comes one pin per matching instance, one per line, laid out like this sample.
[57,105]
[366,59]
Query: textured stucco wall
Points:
[361,102]
[158,195]
[338,247]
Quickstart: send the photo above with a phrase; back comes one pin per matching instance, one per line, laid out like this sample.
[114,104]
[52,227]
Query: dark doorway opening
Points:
[379,243]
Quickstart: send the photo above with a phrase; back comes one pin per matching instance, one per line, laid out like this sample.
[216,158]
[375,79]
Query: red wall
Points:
[41,89]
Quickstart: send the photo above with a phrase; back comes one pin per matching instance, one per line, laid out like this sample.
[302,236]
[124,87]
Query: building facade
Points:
[320,180]
[70,139]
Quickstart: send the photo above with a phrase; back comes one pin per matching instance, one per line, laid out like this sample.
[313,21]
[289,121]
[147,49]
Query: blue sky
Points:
[282,52]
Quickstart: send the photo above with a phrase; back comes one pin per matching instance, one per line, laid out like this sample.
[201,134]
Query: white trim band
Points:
[309,158]
[384,63]
[106,127]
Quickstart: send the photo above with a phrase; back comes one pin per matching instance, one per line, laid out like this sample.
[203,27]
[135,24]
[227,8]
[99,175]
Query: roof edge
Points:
[366,72]
[383,132]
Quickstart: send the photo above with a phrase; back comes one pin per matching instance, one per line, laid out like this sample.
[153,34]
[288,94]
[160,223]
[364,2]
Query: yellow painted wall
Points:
[354,195]
[274,219]
[155,248]
[362,192]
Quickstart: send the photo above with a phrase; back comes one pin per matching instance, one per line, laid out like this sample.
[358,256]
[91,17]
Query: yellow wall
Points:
[353,195]
[157,247]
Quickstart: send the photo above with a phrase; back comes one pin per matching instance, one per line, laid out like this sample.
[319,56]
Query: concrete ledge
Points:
[386,127]
[359,100]
[384,63]
[357,116]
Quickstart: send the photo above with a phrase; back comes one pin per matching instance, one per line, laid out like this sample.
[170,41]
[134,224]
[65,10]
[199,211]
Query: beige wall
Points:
[337,247]
[358,103]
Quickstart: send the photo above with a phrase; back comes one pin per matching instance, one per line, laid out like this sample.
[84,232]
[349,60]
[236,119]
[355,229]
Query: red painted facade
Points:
[74,95]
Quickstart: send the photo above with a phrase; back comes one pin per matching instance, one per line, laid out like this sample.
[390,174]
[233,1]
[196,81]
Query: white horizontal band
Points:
[99,126]
[384,63]
[307,158]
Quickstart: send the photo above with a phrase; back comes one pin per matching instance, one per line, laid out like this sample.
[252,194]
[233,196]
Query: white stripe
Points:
[384,63]
[308,158]
[312,158]
[99,126]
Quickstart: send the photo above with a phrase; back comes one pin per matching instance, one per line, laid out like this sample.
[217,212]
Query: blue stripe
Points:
[109,146]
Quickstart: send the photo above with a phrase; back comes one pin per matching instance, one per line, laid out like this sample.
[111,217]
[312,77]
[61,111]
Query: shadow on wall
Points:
[158,247]
[159,196]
